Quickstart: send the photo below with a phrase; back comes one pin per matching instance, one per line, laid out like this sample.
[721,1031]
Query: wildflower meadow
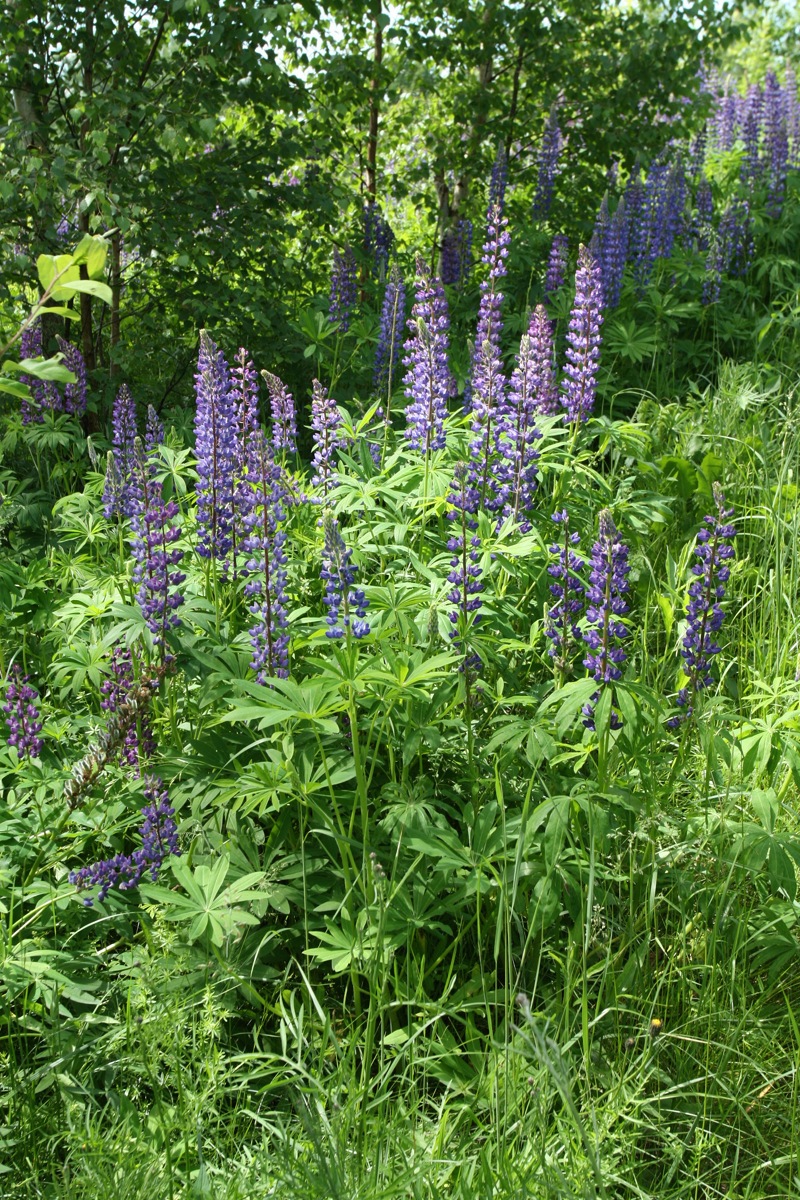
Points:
[399,602]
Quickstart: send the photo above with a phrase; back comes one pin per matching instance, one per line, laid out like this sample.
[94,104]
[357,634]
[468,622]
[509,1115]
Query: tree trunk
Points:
[374,108]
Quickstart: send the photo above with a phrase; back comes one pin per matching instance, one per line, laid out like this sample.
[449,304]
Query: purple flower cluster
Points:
[45,393]
[159,835]
[731,249]
[387,350]
[428,382]
[556,265]
[284,419]
[465,569]
[139,742]
[378,239]
[216,450]
[153,547]
[153,431]
[327,437]
[608,584]
[568,592]
[547,165]
[704,614]
[346,605]
[489,383]
[532,389]
[74,401]
[22,714]
[266,563]
[457,253]
[583,341]
[343,288]
[118,493]
[610,248]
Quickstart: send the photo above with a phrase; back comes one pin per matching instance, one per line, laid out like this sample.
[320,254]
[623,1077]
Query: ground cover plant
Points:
[402,723]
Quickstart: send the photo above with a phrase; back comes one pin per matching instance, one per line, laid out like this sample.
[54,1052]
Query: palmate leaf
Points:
[207,907]
[632,342]
[315,701]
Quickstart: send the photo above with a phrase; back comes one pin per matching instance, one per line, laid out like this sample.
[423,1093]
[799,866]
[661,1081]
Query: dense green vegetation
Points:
[336,858]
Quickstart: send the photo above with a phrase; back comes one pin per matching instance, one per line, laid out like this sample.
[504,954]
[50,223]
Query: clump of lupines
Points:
[556,265]
[117,494]
[327,437]
[489,383]
[244,401]
[266,563]
[605,594]
[22,714]
[159,835]
[346,605]
[549,153]
[139,742]
[378,239]
[731,248]
[568,591]
[284,420]
[215,447]
[74,393]
[155,554]
[583,341]
[428,382]
[531,390]
[704,614]
[387,350]
[465,569]
[776,144]
[45,393]
[457,253]
[610,247]
[343,288]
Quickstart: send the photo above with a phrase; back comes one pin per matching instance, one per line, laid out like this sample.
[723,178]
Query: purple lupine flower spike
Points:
[583,342]
[122,438]
[549,153]
[244,396]
[266,562]
[605,594]
[343,288]
[569,593]
[704,613]
[215,447]
[556,265]
[155,555]
[428,381]
[532,381]
[153,431]
[346,605]
[776,144]
[159,835]
[498,182]
[139,741]
[327,437]
[284,420]
[387,351]
[22,714]
[74,393]
[489,383]
[378,239]
[44,392]
[457,253]
[465,569]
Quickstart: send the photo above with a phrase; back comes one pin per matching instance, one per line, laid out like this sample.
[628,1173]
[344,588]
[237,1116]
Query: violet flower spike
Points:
[428,382]
[556,265]
[562,619]
[344,289]
[327,437]
[489,383]
[549,154]
[74,393]
[465,569]
[387,350]
[284,420]
[153,431]
[605,594]
[159,835]
[704,613]
[266,563]
[44,392]
[156,557]
[215,445]
[579,384]
[22,714]
[456,256]
[139,743]
[346,605]
[120,501]
[532,384]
